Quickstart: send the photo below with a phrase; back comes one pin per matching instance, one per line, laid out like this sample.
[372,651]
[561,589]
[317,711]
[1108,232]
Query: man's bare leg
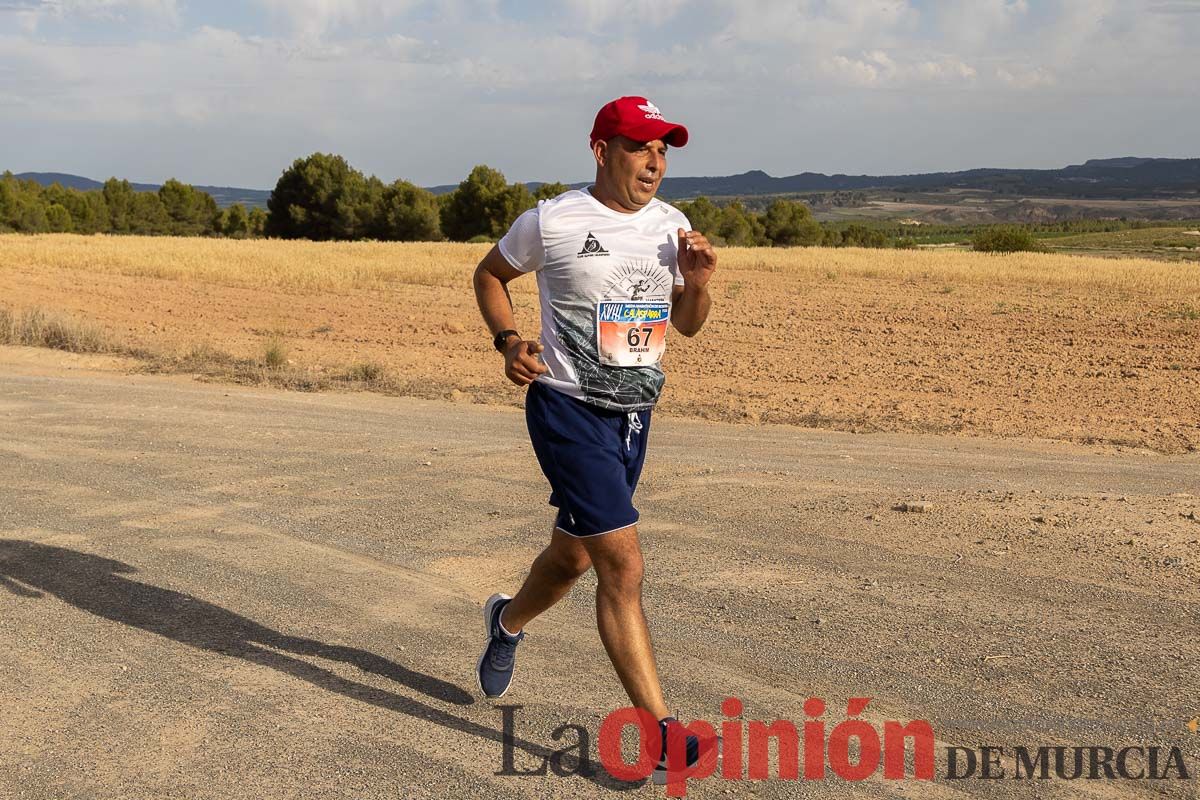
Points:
[552,575]
[617,557]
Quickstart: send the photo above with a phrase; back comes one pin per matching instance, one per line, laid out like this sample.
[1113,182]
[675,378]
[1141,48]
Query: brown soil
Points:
[850,353]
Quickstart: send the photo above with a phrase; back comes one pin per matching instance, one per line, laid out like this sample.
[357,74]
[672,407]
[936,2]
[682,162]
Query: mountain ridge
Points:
[1125,177]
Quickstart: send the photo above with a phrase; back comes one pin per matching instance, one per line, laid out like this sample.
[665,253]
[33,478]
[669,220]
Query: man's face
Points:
[633,169]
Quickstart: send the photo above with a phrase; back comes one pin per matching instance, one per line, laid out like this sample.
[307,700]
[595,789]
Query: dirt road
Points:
[216,592]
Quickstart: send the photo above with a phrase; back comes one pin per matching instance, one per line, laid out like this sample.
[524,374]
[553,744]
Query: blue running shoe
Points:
[694,750]
[498,660]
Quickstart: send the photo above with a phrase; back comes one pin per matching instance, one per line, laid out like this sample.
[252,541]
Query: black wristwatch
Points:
[502,337]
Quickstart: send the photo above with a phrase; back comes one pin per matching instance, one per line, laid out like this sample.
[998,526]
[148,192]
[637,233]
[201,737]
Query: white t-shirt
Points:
[605,280]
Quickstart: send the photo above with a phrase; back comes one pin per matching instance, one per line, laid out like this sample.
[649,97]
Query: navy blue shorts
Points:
[592,457]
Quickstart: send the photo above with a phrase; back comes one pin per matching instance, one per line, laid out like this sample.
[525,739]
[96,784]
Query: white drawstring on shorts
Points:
[634,424]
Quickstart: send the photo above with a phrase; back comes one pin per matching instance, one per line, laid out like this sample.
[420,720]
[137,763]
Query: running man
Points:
[614,265]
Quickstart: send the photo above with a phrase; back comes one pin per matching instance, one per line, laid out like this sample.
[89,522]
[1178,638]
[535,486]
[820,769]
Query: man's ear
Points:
[600,151]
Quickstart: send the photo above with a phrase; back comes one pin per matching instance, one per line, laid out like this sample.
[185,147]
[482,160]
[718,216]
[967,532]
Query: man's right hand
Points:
[521,362]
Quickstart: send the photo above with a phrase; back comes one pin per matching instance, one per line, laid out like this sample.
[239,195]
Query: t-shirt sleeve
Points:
[687,226]
[522,245]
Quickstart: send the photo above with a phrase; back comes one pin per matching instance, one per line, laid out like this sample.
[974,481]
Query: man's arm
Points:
[521,363]
[689,309]
[691,302]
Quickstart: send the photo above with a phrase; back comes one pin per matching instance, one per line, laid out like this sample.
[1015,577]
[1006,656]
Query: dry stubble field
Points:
[1065,347]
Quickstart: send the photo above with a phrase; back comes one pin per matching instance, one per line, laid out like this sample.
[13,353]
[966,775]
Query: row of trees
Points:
[176,209]
[322,197]
[784,223]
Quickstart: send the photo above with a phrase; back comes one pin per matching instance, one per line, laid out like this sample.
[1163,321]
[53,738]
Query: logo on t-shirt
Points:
[638,279]
[591,247]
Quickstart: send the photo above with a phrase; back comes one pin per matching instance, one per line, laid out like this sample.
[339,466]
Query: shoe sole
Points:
[487,640]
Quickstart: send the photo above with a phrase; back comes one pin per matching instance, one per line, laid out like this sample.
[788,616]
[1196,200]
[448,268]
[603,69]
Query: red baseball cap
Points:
[639,119]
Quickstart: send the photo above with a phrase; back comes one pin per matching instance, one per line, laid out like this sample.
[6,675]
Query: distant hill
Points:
[224,195]
[62,179]
[1097,178]
[228,195]
[1100,178]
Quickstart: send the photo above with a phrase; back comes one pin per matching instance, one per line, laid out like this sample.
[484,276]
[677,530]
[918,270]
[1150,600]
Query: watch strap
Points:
[500,338]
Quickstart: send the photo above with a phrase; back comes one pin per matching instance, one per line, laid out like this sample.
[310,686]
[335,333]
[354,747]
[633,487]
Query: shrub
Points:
[37,328]
[1005,239]
[275,356]
[366,372]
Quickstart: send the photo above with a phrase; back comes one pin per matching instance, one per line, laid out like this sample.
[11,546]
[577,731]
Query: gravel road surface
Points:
[218,592]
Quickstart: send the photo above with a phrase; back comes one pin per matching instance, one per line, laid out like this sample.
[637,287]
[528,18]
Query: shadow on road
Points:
[97,585]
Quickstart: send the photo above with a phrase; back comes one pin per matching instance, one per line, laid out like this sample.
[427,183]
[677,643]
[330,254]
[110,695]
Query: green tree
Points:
[361,208]
[235,223]
[407,213]
[97,218]
[789,223]
[739,227]
[517,201]
[55,193]
[320,197]
[58,219]
[484,204]
[704,215]
[191,211]
[29,215]
[88,214]
[855,235]
[8,200]
[548,191]
[257,222]
[26,211]
[148,216]
[119,198]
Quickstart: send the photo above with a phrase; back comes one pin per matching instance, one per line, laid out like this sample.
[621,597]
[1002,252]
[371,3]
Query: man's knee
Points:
[617,558]
[623,575]
[570,562]
[572,566]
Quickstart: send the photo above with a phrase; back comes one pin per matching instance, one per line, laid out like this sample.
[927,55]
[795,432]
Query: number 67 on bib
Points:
[631,334]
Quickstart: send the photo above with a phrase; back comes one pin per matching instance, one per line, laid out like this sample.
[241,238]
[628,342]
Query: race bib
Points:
[631,333]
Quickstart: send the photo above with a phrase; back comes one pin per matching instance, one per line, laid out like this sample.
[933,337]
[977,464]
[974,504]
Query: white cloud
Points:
[1023,77]
[877,69]
[872,69]
[61,9]
[601,13]
[974,23]
[403,47]
[826,26]
[825,80]
[945,70]
[314,18]
[162,7]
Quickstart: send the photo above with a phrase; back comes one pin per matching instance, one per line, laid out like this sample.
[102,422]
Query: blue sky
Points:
[229,93]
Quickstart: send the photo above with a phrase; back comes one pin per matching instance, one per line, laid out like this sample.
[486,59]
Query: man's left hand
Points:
[697,259]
